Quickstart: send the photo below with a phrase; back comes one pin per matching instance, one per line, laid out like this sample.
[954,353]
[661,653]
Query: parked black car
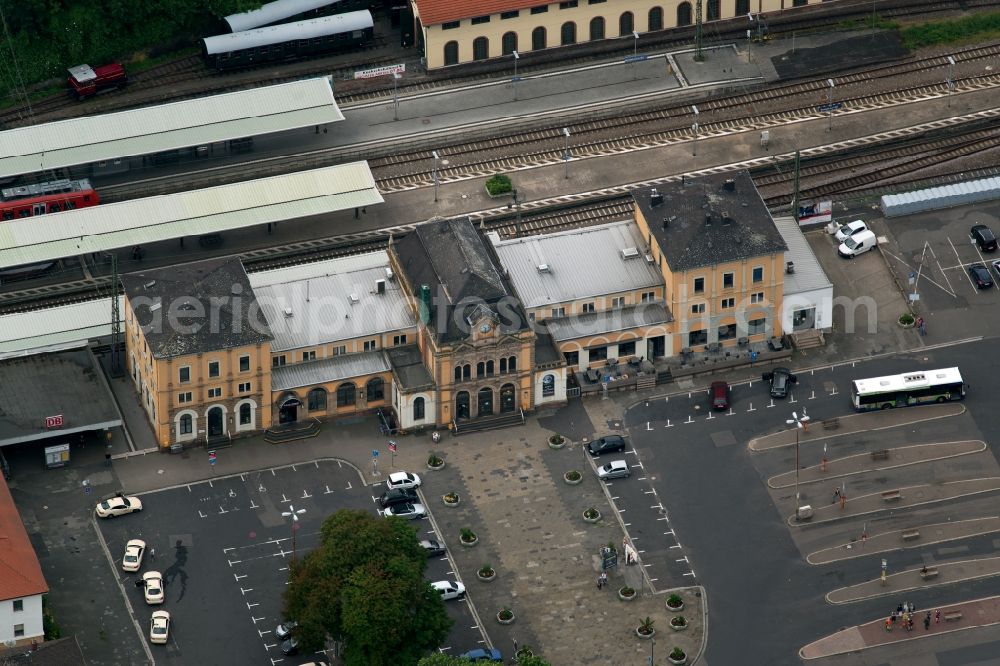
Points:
[606,444]
[980,276]
[983,236]
[398,496]
[780,380]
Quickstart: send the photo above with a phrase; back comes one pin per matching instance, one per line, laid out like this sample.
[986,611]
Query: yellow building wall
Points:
[601,303]
[435,37]
[361,403]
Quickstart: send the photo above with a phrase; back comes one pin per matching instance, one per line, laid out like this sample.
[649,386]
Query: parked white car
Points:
[858,244]
[616,469]
[153,581]
[134,550]
[402,480]
[449,589]
[850,229]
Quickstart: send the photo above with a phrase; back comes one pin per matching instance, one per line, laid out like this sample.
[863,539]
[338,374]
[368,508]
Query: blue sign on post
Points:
[635,58]
[87,490]
[374,453]
[825,108]
[753,356]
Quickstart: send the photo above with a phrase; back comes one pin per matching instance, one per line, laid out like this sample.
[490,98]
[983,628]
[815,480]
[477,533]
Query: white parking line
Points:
[328,491]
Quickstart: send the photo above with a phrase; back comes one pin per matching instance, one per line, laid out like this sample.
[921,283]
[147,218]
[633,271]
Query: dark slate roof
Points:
[66,383]
[215,284]
[709,220]
[61,652]
[409,369]
[545,350]
[461,268]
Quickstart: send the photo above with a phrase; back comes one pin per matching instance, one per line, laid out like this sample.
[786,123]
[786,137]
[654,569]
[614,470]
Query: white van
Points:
[858,244]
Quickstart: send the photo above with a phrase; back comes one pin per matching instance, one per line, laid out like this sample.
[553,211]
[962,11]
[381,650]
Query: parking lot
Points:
[733,528]
[224,550]
[935,248]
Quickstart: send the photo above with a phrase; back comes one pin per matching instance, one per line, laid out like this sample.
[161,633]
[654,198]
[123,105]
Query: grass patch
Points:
[43,93]
[141,62]
[866,24]
[971,29]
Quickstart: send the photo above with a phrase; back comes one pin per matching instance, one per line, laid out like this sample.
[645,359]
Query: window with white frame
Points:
[309,355]
[277,361]
[215,392]
[244,364]
[727,303]
[558,312]
[371,345]
[399,339]
[618,302]
[213,368]
[338,350]
[18,605]
[698,308]
[757,297]
[184,397]
[728,279]
[758,274]
[184,374]
[648,296]
[245,387]
[588,307]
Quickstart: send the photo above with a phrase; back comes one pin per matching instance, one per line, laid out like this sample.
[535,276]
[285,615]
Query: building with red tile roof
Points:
[21,581]
[453,32]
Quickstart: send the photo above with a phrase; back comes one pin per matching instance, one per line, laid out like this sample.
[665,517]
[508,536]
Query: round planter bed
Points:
[573,477]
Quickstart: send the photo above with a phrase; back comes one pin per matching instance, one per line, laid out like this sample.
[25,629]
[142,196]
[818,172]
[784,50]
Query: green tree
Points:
[533,660]
[364,585]
[441,659]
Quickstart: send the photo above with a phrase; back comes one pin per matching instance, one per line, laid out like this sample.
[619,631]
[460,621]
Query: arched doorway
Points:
[485,401]
[216,422]
[288,409]
[462,405]
[508,401]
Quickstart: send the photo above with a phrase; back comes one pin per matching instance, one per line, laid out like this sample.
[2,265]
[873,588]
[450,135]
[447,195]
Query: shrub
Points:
[906,319]
[573,475]
[674,600]
[592,513]
[677,654]
[434,460]
[646,626]
[627,591]
[467,534]
[499,184]
[505,614]
[678,620]
[486,571]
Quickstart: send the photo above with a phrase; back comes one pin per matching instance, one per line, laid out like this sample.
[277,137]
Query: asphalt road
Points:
[224,549]
[762,594]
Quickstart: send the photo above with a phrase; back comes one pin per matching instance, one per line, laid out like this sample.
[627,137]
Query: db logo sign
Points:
[54,421]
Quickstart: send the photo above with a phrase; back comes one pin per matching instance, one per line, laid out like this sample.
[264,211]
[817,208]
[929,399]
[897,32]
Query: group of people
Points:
[905,613]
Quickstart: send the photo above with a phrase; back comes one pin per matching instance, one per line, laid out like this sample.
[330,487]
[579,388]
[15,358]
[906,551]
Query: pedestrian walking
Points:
[604,578]
[921,326]
[152,556]
[937,616]
[888,623]
[909,625]
[107,460]
[899,609]
[600,583]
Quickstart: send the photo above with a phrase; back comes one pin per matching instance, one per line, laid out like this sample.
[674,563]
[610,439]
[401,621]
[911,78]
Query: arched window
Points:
[186,425]
[458,373]
[742,7]
[375,389]
[489,368]
[568,33]
[345,394]
[466,371]
[480,369]
[246,412]
[512,364]
[509,43]
[548,386]
[418,409]
[451,53]
[503,366]
[596,28]
[317,400]
[480,48]
[656,18]
[626,24]
[713,11]
[538,39]
[684,13]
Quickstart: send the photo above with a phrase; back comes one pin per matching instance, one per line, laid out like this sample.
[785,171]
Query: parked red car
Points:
[720,395]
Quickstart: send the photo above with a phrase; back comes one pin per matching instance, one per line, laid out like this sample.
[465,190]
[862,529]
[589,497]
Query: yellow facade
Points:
[336,399]
[223,393]
[529,29]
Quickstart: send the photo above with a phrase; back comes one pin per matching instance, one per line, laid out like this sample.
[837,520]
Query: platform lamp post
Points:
[694,128]
[294,515]
[799,423]
[749,43]
[884,577]
[951,78]
[516,204]
[566,155]
[396,76]
[635,52]
[829,103]
[437,158]
[513,81]
[652,644]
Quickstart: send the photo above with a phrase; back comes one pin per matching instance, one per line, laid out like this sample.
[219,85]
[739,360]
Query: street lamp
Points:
[566,155]
[396,76]
[884,577]
[951,79]
[694,128]
[829,104]
[517,205]
[799,422]
[513,82]
[294,515]
[635,52]
[437,158]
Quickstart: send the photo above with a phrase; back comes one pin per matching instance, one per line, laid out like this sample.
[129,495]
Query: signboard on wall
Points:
[54,421]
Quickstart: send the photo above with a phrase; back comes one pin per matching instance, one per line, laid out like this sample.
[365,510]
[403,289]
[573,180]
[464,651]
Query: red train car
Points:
[43,198]
[85,80]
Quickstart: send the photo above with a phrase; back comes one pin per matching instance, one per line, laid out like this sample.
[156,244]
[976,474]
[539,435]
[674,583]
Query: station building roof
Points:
[155,129]
[578,263]
[328,370]
[125,224]
[326,301]
[809,274]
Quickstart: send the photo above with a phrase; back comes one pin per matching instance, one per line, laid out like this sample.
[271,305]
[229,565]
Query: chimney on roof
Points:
[789,267]
[726,219]
[730,185]
[666,223]
[379,286]
[708,219]
[655,198]
[425,304]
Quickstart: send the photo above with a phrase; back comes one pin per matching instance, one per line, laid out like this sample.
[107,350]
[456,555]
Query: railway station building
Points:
[453,32]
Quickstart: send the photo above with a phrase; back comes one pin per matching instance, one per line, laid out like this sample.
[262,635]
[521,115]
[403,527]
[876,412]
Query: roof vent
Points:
[708,219]
[149,285]
[789,267]
[155,306]
[730,185]
[726,219]
[379,286]
[655,198]
[389,275]
[666,223]
[287,312]
[543,268]
[355,299]
[649,258]
[629,252]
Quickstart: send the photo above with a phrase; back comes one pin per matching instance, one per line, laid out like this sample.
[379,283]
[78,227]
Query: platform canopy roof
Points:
[156,129]
[55,328]
[125,224]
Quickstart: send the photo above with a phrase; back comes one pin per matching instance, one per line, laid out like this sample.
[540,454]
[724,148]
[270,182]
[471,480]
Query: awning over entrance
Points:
[51,395]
